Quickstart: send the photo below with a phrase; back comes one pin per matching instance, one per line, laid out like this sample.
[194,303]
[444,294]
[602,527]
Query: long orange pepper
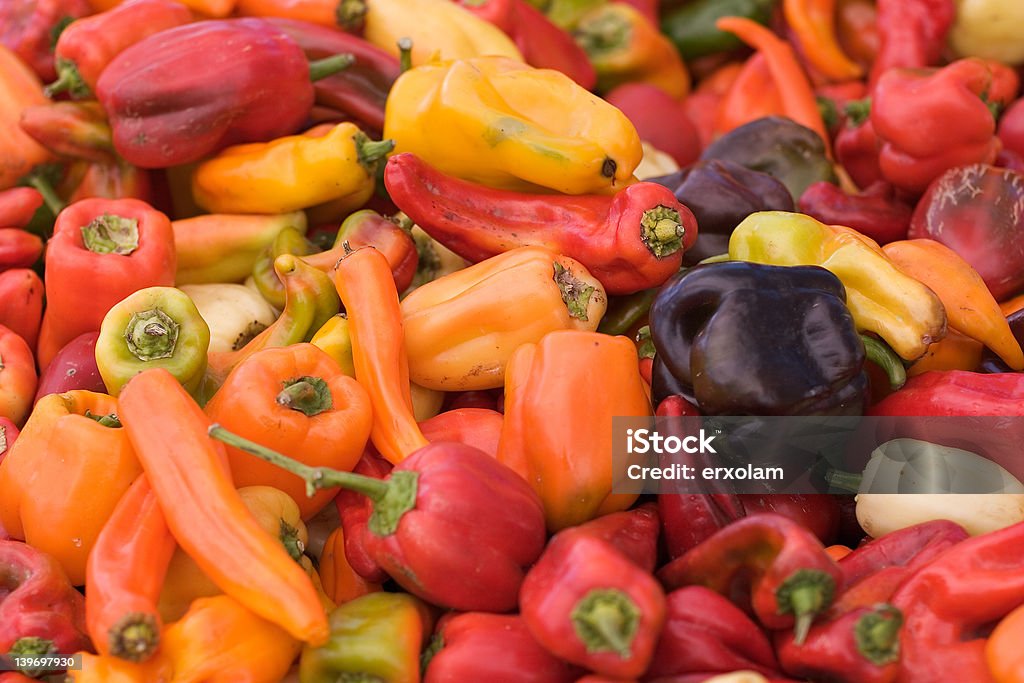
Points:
[124,575]
[794,88]
[753,95]
[367,290]
[1002,650]
[813,25]
[324,12]
[21,89]
[190,476]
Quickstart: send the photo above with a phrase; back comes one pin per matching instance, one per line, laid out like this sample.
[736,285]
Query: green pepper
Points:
[288,241]
[692,27]
[375,638]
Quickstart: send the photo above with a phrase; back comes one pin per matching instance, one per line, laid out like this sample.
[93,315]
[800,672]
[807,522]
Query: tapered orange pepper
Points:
[20,89]
[189,474]
[339,579]
[295,400]
[1002,650]
[813,26]
[752,95]
[955,351]
[970,306]
[17,376]
[331,13]
[556,391]
[367,289]
[56,497]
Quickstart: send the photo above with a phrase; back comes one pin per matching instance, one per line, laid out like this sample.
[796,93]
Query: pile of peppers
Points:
[315,316]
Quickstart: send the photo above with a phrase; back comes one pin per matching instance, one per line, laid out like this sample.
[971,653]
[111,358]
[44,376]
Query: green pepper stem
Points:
[32,646]
[606,620]
[804,594]
[576,294]
[68,80]
[349,14]
[135,637]
[858,111]
[110,234]
[328,66]
[662,231]
[404,54]
[308,395]
[877,634]
[847,481]
[109,420]
[289,536]
[53,201]
[151,335]
[607,32]
[370,152]
[879,353]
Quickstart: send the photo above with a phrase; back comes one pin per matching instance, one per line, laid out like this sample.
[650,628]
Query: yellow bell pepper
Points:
[438,29]
[899,309]
[494,121]
[461,329]
[290,173]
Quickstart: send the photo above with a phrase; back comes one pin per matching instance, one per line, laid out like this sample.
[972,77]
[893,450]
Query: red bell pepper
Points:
[8,433]
[587,603]
[929,122]
[818,513]
[21,303]
[492,647]
[187,92]
[40,612]
[442,496]
[630,241]
[792,579]
[87,46]
[476,427]
[947,603]
[875,212]
[17,377]
[355,517]
[659,119]
[101,251]
[911,34]
[18,205]
[361,89]
[367,228]
[542,43]
[706,633]
[857,145]
[30,28]
[634,533]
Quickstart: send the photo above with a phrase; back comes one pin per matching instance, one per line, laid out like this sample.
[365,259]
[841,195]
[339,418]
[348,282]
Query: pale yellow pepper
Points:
[495,121]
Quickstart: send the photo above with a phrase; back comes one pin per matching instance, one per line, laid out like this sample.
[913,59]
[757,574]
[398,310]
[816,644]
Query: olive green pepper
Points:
[692,27]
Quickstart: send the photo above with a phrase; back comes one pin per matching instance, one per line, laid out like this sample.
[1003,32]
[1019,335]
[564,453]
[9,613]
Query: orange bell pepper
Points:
[64,476]
[970,306]
[1002,650]
[18,378]
[813,26]
[340,581]
[367,289]
[297,401]
[190,476]
[19,89]
[753,95]
[556,391]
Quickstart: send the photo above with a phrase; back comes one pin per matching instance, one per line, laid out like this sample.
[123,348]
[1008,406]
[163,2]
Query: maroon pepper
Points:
[587,603]
[74,367]
[630,241]
[706,633]
[187,92]
[911,34]
[876,212]
[30,29]
[491,647]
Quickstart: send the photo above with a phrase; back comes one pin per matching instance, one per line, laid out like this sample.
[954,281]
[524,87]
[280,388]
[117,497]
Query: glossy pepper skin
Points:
[476,647]
[553,397]
[632,240]
[355,517]
[295,400]
[152,91]
[18,378]
[907,109]
[711,324]
[40,612]
[462,329]
[911,34]
[634,533]
[899,309]
[375,637]
[490,122]
[74,367]
[660,120]
[590,605]
[91,478]
[876,212]
[88,45]
[792,579]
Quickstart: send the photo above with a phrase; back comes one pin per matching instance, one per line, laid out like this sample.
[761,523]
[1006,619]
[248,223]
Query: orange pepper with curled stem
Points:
[753,95]
[795,90]
[367,290]
[1003,653]
[813,26]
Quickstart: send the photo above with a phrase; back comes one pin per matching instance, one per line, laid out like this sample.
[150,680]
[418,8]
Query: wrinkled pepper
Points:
[290,173]
[148,110]
[553,397]
[461,330]
[190,477]
[587,603]
[40,612]
[21,89]
[491,122]
[875,213]
[899,309]
[18,378]
[88,45]
[632,240]
[911,34]
[295,400]
[375,637]
[90,478]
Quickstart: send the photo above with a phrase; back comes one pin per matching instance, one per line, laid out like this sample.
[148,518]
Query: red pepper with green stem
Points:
[630,241]
[355,518]
[443,495]
[912,34]
[792,579]
[31,27]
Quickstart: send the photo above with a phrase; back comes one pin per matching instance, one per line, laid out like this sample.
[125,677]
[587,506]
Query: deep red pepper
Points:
[476,427]
[21,303]
[18,248]
[911,33]
[857,146]
[1011,127]
[18,205]
[587,603]
[40,612]
[30,27]
[361,89]
[491,647]
[792,579]
[818,512]
[8,433]
[659,119]
[875,212]
[542,43]
[355,514]
[190,91]
[634,533]
[947,603]
[74,367]
[630,241]
[706,633]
